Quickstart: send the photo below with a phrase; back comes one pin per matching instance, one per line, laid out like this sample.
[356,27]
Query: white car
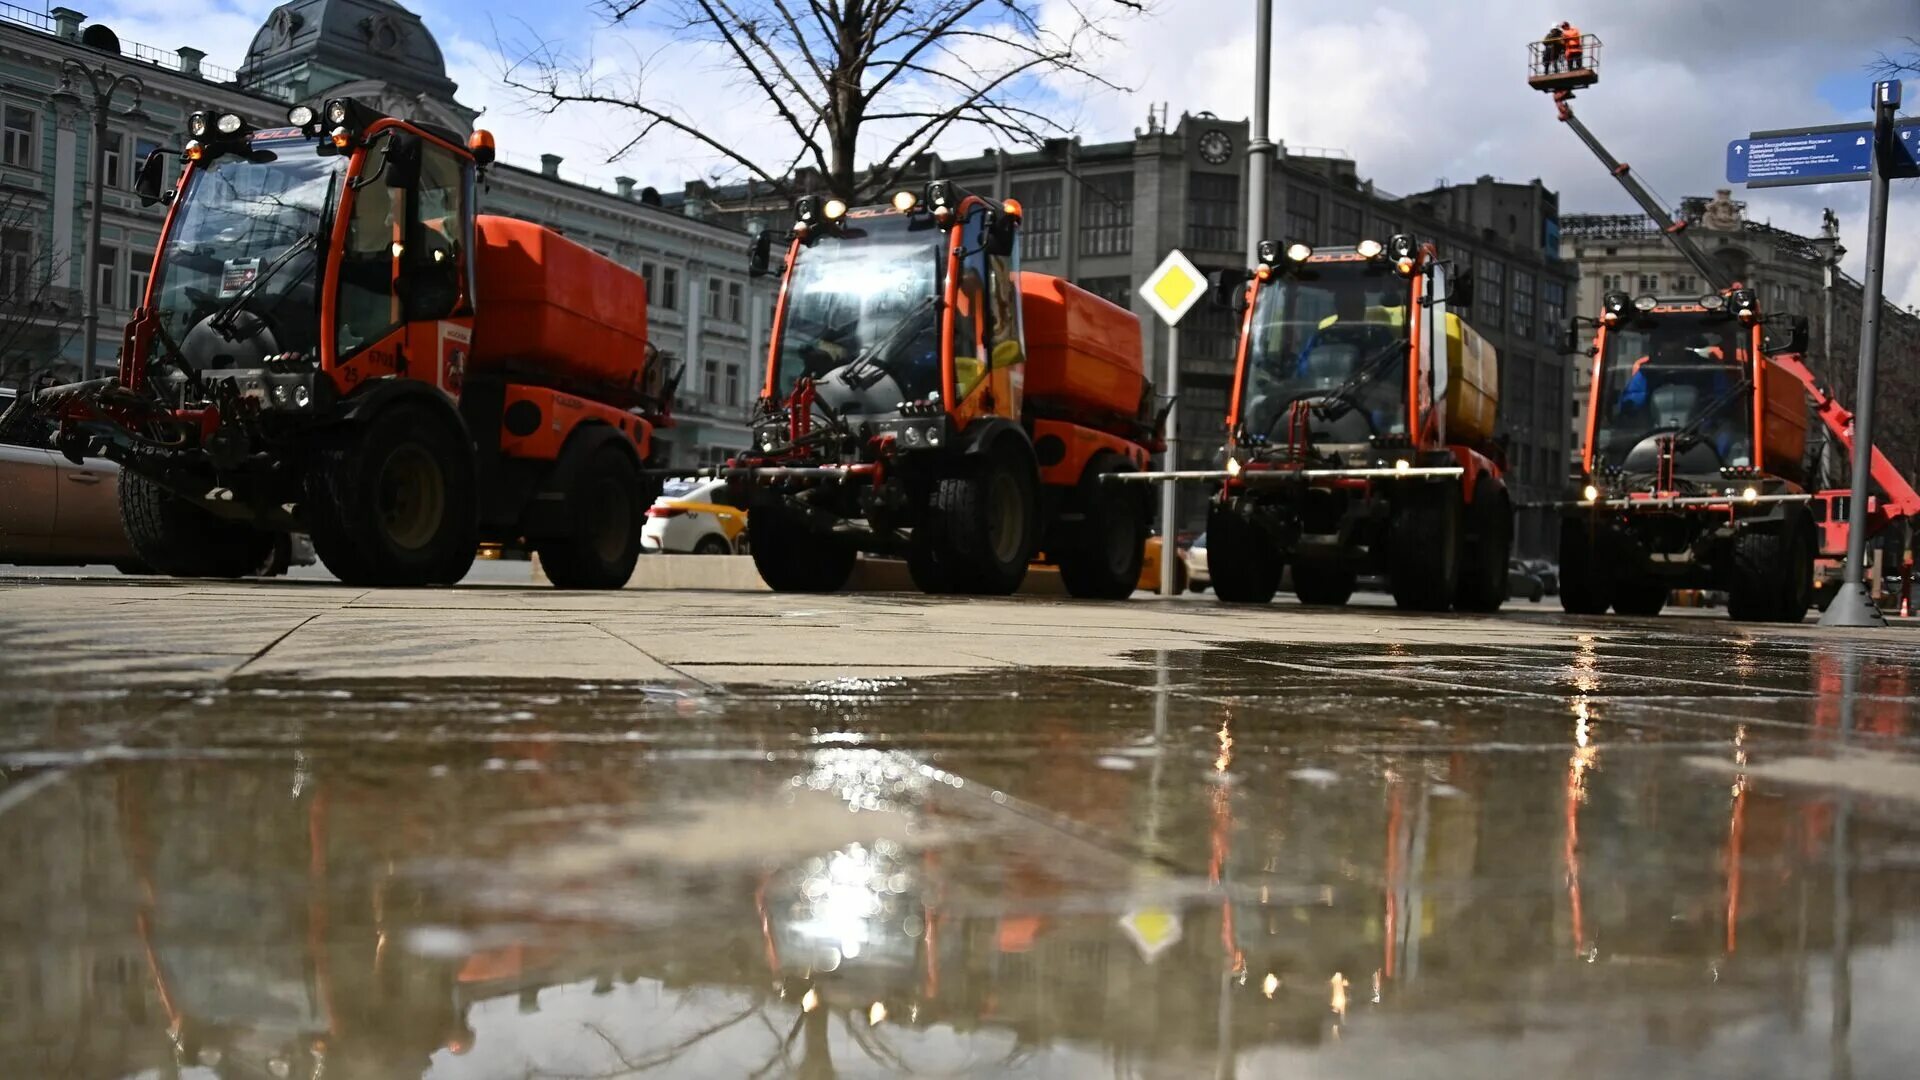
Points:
[695,517]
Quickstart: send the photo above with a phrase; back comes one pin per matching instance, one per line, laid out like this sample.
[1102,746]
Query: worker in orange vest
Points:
[1570,41]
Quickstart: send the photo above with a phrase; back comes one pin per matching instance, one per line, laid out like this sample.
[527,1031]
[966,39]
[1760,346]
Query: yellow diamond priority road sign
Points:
[1174,287]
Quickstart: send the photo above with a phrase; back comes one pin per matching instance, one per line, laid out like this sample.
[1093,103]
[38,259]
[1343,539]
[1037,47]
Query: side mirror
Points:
[1462,294]
[147,184]
[1797,338]
[403,160]
[1227,290]
[760,254]
[1000,230]
[1570,342]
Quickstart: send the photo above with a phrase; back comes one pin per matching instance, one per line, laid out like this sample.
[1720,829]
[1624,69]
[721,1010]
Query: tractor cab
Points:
[300,260]
[1325,356]
[897,323]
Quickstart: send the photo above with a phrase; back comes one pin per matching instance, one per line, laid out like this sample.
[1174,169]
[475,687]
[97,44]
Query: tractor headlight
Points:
[1590,493]
[230,123]
[1369,249]
[300,115]
[1299,252]
[1400,246]
[197,125]
[302,397]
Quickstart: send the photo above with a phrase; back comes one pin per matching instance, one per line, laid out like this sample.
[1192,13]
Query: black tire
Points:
[1641,597]
[393,502]
[1797,588]
[1756,589]
[1243,567]
[1482,585]
[176,538]
[791,557]
[930,571]
[713,544]
[1103,559]
[1425,548]
[1586,583]
[985,522]
[606,508]
[1322,582]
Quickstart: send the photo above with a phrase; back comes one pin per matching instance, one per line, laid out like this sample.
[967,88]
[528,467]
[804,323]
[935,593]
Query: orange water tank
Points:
[549,312]
[1783,423]
[1084,357]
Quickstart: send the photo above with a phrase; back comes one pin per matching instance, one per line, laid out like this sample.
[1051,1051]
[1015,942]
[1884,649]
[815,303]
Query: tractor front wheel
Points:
[606,508]
[177,538]
[1245,569]
[792,557]
[393,501]
[1102,559]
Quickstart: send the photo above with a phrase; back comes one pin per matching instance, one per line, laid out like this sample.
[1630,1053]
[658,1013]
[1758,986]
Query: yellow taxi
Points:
[695,517]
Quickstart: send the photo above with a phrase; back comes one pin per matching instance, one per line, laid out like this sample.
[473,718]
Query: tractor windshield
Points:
[863,314]
[1675,374]
[1333,334]
[236,280]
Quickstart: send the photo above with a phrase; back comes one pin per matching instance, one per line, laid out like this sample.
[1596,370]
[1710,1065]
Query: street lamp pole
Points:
[105,83]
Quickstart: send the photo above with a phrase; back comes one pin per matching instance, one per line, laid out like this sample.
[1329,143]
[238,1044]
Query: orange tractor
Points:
[926,397]
[332,341]
[1360,433]
[1710,453]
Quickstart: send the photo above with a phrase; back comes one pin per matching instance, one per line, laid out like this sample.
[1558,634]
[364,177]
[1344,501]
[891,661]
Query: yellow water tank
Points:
[1473,385]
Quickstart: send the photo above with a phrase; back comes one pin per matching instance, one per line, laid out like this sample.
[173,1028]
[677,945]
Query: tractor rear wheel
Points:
[985,522]
[1482,582]
[606,509]
[1643,597]
[1323,581]
[1245,569]
[1586,586]
[393,502]
[177,538]
[1102,559]
[1424,547]
[791,556]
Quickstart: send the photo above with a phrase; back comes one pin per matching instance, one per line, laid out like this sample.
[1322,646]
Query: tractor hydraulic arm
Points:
[1900,498]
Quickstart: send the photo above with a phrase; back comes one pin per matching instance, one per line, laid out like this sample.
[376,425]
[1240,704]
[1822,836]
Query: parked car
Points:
[1523,583]
[1547,572]
[56,513]
[53,512]
[695,517]
[1197,578]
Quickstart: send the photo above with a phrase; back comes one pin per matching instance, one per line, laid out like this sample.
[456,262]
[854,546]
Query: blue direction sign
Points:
[1825,155]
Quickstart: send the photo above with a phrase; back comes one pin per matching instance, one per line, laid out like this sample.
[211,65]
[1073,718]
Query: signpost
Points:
[1172,290]
[1822,155]
[1876,153]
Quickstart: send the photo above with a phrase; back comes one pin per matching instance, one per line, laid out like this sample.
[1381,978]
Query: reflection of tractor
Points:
[1697,470]
[926,397]
[333,342]
[1359,434]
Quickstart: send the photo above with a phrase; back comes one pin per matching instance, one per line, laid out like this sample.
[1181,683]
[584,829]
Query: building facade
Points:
[1631,253]
[702,313]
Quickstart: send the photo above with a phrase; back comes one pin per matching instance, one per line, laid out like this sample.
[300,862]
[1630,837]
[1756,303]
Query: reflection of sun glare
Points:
[1337,1001]
[1270,984]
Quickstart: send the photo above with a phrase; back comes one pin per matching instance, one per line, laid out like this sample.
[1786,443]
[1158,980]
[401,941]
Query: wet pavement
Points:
[439,838]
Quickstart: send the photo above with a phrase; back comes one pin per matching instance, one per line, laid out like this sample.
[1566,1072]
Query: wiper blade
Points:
[223,319]
[1368,370]
[1690,434]
[888,343]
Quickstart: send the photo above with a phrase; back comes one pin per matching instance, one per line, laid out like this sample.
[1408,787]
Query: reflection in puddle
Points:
[1218,867]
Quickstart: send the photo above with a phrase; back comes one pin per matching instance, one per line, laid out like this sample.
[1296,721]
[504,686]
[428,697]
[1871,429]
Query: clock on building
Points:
[1215,147]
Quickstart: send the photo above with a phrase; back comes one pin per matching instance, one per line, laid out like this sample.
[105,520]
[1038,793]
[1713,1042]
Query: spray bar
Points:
[1675,501]
[768,472]
[1260,475]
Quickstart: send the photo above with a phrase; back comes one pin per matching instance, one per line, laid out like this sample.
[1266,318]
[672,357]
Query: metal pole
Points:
[1851,605]
[90,267]
[1169,507]
[1259,147]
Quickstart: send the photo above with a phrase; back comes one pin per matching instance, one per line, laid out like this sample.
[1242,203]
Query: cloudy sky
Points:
[1414,96]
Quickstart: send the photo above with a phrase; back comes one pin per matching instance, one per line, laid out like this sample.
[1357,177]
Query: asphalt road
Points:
[290,828]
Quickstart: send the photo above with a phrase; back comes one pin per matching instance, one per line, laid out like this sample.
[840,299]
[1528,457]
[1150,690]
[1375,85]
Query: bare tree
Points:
[899,74]
[37,316]
[1897,63]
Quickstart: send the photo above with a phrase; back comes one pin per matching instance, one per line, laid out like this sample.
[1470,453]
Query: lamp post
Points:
[105,83]
[1827,246]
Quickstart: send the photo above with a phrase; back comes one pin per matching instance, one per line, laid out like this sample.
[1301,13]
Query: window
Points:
[1114,290]
[648,272]
[711,375]
[1382,228]
[1346,224]
[1213,212]
[670,288]
[139,266]
[112,155]
[16,263]
[716,291]
[736,302]
[21,125]
[1553,309]
[366,308]
[733,384]
[1040,227]
[434,256]
[1649,283]
[1522,303]
[1610,282]
[1303,216]
[106,276]
[1490,289]
[1106,214]
[1685,283]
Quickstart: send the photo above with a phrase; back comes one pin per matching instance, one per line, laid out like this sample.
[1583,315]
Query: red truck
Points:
[332,341]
